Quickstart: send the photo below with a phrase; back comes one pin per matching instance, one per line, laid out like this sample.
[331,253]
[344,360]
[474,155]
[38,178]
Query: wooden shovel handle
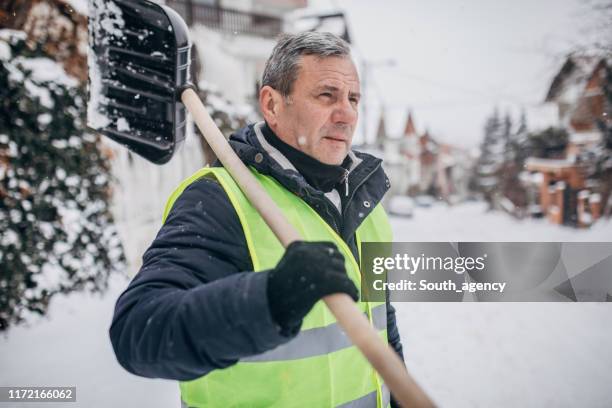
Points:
[384,360]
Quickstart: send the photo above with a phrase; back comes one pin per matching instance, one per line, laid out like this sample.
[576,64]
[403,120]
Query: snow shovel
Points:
[139,90]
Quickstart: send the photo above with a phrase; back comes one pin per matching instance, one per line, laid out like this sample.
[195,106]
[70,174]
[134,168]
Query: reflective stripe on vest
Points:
[367,401]
[319,367]
[318,341]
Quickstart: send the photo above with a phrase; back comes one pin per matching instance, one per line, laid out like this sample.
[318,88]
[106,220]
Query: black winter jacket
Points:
[195,305]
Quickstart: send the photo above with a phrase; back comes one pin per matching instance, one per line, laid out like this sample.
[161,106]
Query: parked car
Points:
[401,206]
[424,201]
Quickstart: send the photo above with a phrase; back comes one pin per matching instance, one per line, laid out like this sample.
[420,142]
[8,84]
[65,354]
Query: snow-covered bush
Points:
[56,230]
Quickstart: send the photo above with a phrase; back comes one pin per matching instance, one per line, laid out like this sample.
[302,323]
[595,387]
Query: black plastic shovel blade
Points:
[139,56]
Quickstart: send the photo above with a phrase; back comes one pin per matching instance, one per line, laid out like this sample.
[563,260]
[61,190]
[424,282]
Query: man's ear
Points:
[270,101]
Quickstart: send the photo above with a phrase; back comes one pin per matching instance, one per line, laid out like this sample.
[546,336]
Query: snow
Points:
[471,222]
[59,144]
[71,348]
[44,119]
[47,229]
[51,276]
[509,354]
[583,194]
[108,16]
[13,36]
[9,237]
[95,119]
[463,354]
[5,51]
[123,125]
[46,70]
[548,163]
[585,137]
[585,218]
[534,178]
[42,72]
[42,93]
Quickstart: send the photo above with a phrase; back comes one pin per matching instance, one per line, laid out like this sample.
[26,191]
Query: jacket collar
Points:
[366,182]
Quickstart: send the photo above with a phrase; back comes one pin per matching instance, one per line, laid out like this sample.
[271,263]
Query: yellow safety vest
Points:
[319,367]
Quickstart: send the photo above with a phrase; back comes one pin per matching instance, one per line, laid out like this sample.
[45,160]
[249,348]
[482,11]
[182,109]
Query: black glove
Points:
[307,272]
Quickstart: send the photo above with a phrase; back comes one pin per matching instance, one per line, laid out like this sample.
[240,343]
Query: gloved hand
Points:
[307,272]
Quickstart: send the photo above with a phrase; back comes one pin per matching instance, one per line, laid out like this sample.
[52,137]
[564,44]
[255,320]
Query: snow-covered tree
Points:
[503,152]
[491,160]
[520,138]
[515,153]
[57,232]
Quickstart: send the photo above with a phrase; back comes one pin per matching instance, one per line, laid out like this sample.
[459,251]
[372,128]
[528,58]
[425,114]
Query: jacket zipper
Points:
[345,181]
[363,180]
[342,213]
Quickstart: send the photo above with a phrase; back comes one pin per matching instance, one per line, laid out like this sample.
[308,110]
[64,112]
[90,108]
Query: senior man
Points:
[218,303]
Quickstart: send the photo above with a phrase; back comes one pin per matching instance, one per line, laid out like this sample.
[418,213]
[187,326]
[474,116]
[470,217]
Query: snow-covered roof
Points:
[569,83]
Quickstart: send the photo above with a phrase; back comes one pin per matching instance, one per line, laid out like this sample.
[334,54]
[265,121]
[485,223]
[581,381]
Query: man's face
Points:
[320,115]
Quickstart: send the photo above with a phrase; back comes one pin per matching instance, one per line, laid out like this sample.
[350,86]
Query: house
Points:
[454,166]
[565,195]
[577,90]
[428,161]
[410,149]
[387,147]
[417,164]
[233,39]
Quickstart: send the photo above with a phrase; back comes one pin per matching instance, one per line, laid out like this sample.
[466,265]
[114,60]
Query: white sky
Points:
[456,60]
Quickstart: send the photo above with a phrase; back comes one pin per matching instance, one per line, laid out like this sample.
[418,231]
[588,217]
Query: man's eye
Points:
[355,100]
[326,94]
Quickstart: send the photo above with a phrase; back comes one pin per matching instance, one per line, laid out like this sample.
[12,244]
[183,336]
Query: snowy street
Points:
[463,354]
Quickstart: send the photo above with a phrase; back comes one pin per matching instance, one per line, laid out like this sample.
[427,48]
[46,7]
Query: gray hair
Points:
[284,63]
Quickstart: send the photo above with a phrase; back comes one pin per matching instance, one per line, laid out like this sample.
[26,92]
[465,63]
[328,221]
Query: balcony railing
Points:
[227,20]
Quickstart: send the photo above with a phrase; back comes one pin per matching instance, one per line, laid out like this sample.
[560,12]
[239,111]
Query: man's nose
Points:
[345,111]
